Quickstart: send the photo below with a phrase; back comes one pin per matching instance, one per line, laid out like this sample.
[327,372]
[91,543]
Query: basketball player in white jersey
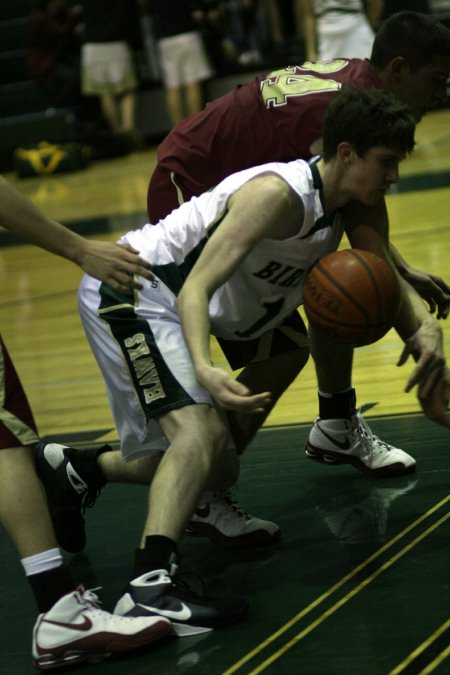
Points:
[232,263]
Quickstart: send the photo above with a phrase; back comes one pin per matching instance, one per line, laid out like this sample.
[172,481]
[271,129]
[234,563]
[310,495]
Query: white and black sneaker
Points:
[68,492]
[343,441]
[76,630]
[224,522]
[156,594]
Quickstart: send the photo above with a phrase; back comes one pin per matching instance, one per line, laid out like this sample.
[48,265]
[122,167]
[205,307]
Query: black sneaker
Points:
[68,492]
[156,593]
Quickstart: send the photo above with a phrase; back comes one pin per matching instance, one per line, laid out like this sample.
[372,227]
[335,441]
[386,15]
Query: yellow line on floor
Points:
[411,657]
[325,596]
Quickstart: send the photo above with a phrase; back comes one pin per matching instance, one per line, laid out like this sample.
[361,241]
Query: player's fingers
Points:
[406,352]
[427,386]
[443,309]
[430,381]
[439,297]
[236,387]
[133,262]
[249,404]
[124,283]
[431,305]
[426,366]
[441,283]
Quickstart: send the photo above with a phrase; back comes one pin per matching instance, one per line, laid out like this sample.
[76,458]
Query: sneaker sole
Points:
[249,540]
[334,458]
[52,662]
[112,644]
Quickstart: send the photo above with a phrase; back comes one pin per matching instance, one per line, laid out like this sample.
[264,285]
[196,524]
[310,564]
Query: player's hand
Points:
[231,394]
[432,289]
[436,403]
[427,349]
[115,264]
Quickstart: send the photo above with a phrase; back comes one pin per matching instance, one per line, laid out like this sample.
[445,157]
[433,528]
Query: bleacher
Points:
[26,113]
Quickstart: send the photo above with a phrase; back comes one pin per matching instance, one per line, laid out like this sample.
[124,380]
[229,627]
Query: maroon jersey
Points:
[276,117]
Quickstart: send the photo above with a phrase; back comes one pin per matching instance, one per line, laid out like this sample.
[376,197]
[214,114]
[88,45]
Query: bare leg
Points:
[275,22]
[194,97]
[175,104]
[333,362]
[197,456]
[110,111]
[127,111]
[23,508]
[140,471]
[274,375]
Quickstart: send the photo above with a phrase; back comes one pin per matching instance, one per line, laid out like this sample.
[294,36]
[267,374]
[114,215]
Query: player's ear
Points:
[345,152]
[397,68]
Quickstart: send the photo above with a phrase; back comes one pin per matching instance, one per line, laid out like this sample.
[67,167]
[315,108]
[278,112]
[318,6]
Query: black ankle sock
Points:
[48,587]
[338,406]
[158,553]
[85,463]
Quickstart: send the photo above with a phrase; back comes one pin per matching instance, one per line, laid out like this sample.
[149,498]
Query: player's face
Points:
[372,175]
[425,88]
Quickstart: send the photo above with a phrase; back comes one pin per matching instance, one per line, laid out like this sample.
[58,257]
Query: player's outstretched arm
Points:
[425,345]
[116,264]
[434,290]
[430,287]
[420,332]
[106,261]
[265,207]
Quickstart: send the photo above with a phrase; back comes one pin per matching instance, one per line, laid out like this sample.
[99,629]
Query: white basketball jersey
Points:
[268,285]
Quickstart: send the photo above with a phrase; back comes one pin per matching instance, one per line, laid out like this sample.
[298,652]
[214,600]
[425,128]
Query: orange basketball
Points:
[353,296]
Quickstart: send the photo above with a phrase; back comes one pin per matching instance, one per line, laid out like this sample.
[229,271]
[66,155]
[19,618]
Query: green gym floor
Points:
[359,584]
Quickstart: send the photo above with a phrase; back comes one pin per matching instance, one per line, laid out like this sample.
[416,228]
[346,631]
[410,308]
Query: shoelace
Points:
[242,513]
[89,598]
[92,602]
[179,578]
[362,426]
[196,585]
[89,498]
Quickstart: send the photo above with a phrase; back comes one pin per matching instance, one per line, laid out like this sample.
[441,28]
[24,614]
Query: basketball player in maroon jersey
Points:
[279,117]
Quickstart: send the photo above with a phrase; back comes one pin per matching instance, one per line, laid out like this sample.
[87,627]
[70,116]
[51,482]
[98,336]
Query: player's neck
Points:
[333,196]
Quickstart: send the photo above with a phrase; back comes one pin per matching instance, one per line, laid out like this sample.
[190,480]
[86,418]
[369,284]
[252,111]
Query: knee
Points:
[299,358]
[290,364]
[215,437]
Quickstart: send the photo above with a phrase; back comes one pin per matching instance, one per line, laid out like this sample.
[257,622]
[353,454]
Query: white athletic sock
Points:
[42,562]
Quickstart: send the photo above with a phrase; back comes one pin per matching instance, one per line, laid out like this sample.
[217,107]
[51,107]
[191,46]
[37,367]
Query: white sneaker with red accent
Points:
[75,629]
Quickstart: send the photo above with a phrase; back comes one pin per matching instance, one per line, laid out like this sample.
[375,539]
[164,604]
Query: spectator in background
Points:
[339,28]
[53,50]
[183,59]
[285,26]
[243,19]
[108,71]
[212,20]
